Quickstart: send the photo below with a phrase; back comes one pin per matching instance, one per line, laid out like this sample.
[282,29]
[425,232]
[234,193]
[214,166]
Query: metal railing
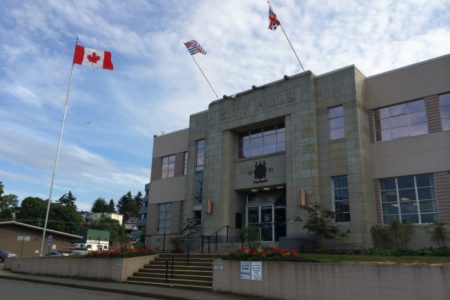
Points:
[167,268]
[215,235]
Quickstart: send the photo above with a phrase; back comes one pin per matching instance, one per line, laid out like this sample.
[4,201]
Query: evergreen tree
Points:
[124,206]
[68,200]
[100,206]
[112,206]
[139,202]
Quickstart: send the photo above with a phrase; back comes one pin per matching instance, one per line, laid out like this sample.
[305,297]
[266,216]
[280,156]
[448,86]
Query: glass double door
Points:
[262,219]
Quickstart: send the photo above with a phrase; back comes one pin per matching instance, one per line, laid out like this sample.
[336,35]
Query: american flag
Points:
[273,21]
[194,47]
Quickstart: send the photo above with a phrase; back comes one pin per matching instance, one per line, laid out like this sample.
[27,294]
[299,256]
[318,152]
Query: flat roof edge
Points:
[411,65]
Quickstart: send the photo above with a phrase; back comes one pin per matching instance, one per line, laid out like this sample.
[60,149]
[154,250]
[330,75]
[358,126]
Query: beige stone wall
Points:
[409,83]
[115,269]
[346,281]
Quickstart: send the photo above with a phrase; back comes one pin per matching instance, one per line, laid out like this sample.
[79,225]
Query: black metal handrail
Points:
[215,234]
[167,268]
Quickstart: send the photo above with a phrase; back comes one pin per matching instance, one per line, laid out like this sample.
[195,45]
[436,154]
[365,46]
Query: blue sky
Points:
[155,86]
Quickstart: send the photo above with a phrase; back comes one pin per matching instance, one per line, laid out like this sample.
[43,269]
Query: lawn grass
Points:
[333,258]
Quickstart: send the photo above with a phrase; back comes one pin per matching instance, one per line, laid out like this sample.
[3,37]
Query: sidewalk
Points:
[123,288]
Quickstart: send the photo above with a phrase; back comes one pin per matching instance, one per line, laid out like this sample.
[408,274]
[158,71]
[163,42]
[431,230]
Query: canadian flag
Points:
[92,58]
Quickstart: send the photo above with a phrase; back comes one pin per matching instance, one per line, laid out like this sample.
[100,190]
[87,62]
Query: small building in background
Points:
[90,217]
[25,240]
[92,240]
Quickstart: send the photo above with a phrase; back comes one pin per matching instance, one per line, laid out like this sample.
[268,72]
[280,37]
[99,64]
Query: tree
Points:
[8,206]
[64,218]
[100,206]
[68,200]
[129,206]
[32,211]
[321,223]
[112,206]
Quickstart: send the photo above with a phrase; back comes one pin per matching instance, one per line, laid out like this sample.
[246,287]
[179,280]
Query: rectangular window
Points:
[185,163]
[336,122]
[200,154]
[164,218]
[410,199]
[198,189]
[340,198]
[444,107]
[396,121]
[262,141]
[168,166]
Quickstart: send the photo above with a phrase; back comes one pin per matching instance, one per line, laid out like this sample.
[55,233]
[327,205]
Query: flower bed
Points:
[266,253]
[117,253]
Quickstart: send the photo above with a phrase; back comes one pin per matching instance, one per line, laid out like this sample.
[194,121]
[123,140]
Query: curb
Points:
[102,289]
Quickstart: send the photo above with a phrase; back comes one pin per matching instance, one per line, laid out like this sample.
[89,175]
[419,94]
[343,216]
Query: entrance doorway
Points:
[266,213]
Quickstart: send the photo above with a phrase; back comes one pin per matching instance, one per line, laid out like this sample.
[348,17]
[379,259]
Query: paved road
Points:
[21,290]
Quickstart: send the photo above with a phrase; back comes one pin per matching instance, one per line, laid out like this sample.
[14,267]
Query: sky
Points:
[113,115]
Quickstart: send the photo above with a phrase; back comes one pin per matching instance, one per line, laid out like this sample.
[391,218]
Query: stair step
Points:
[185,286]
[172,280]
[181,272]
[176,276]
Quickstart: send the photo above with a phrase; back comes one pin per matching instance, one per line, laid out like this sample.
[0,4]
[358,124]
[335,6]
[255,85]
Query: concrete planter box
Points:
[346,281]
[115,269]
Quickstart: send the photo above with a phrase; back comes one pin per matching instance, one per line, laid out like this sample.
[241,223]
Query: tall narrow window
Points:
[164,218]
[406,119]
[185,162]
[200,155]
[168,166]
[340,198]
[444,107]
[336,121]
[410,199]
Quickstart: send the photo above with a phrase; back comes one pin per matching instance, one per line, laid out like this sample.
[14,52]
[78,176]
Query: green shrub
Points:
[438,233]
[321,223]
[395,236]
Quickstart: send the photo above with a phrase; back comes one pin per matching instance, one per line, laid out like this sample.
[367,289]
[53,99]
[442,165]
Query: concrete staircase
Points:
[195,274]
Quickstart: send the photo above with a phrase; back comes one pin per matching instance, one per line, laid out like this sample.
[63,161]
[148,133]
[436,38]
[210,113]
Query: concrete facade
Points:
[310,160]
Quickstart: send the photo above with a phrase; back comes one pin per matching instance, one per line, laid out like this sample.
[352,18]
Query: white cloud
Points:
[156,86]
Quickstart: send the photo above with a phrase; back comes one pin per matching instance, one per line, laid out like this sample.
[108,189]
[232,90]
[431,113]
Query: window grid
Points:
[444,108]
[341,199]
[404,208]
[168,166]
[336,122]
[400,120]
[164,218]
[200,154]
[262,141]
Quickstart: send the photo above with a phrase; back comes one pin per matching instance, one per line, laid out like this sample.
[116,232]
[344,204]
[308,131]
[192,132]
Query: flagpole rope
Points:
[292,47]
[56,159]
[205,76]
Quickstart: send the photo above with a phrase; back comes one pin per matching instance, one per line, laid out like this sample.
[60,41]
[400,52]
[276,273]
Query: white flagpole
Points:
[56,159]
[292,47]
[289,41]
[204,76]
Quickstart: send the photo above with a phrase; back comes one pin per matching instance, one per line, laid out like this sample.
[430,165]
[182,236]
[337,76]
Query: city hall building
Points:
[372,149]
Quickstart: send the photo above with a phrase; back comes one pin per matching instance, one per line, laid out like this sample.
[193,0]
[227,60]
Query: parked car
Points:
[6,254]
[57,253]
